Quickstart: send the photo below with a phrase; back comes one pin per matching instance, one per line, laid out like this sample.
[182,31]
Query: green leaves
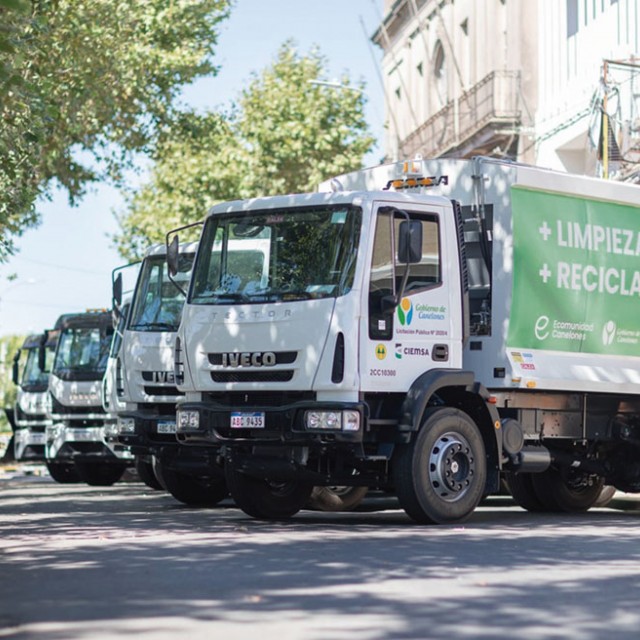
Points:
[85,84]
[286,135]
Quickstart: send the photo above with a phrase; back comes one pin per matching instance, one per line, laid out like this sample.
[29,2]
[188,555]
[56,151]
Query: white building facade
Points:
[523,79]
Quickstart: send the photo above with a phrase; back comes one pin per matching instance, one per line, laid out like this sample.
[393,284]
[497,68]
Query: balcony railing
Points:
[495,100]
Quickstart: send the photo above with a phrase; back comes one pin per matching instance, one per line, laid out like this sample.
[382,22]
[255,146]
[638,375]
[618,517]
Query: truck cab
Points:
[311,363]
[76,448]
[30,412]
[147,388]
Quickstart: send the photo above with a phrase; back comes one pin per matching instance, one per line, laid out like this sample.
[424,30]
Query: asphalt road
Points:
[83,562]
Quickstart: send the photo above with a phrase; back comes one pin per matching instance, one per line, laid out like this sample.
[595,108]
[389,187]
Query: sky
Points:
[65,264]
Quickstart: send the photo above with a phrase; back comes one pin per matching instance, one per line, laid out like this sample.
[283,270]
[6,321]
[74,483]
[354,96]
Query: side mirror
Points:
[173,254]
[117,291]
[16,368]
[42,351]
[410,242]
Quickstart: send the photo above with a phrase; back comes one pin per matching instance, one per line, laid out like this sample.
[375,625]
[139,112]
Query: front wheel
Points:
[267,499]
[194,491]
[63,472]
[100,474]
[440,475]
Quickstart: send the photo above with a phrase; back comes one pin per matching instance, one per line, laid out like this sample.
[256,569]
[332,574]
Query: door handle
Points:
[440,352]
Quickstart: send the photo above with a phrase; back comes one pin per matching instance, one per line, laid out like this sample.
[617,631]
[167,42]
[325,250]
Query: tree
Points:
[284,135]
[297,133]
[195,164]
[87,83]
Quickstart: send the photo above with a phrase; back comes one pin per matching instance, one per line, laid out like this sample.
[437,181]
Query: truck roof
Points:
[33,341]
[101,318]
[303,200]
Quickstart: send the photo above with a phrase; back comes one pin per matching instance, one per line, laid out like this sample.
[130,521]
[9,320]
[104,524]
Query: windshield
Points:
[32,375]
[82,353]
[158,302]
[277,255]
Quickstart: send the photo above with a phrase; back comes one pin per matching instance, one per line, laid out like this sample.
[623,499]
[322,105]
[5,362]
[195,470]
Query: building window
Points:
[572,18]
[440,73]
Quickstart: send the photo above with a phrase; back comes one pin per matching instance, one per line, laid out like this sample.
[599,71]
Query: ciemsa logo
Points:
[405,312]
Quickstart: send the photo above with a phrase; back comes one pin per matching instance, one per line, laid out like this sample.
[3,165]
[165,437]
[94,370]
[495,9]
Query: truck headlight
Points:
[332,420]
[187,420]
[126,425]
[110,430]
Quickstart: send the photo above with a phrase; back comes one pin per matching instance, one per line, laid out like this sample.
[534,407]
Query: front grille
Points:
[21,415]
[57,408]
[281,357]
[252,376]
[162,391]
[239,399]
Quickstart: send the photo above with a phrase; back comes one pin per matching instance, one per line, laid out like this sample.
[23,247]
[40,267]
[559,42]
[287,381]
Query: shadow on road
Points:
[77,559]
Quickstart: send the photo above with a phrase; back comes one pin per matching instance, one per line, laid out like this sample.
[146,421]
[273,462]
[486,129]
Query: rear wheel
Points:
[606,495]
[267,499]
[146,474]
[63,472]
[195,491]
[100,474]
[567,490]
[336,498]
[440,475]
[523,492]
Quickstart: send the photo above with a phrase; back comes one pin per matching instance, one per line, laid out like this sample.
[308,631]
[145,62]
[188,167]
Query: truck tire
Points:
[100,474]
[146,474]
[194,491]
[156,465]
[567,491]
[336,498]
[523,492]
[63,472]
[440,475]
[264,499]
[605,497]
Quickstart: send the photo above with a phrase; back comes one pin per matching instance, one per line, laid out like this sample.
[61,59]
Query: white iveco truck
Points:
[147,389]
[30,411]
[423,327]
[76,448]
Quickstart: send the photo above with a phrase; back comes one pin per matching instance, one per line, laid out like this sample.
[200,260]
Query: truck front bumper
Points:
[147,433]
[305,424]
[29,443]
[66,442]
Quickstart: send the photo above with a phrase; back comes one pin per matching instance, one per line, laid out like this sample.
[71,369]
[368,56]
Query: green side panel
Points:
[576,274]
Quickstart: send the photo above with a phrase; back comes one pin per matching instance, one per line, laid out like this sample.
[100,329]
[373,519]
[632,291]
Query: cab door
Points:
[423,330]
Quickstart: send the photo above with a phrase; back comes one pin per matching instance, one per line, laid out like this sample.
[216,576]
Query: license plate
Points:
[37,438]
[166,427]
[253,420]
